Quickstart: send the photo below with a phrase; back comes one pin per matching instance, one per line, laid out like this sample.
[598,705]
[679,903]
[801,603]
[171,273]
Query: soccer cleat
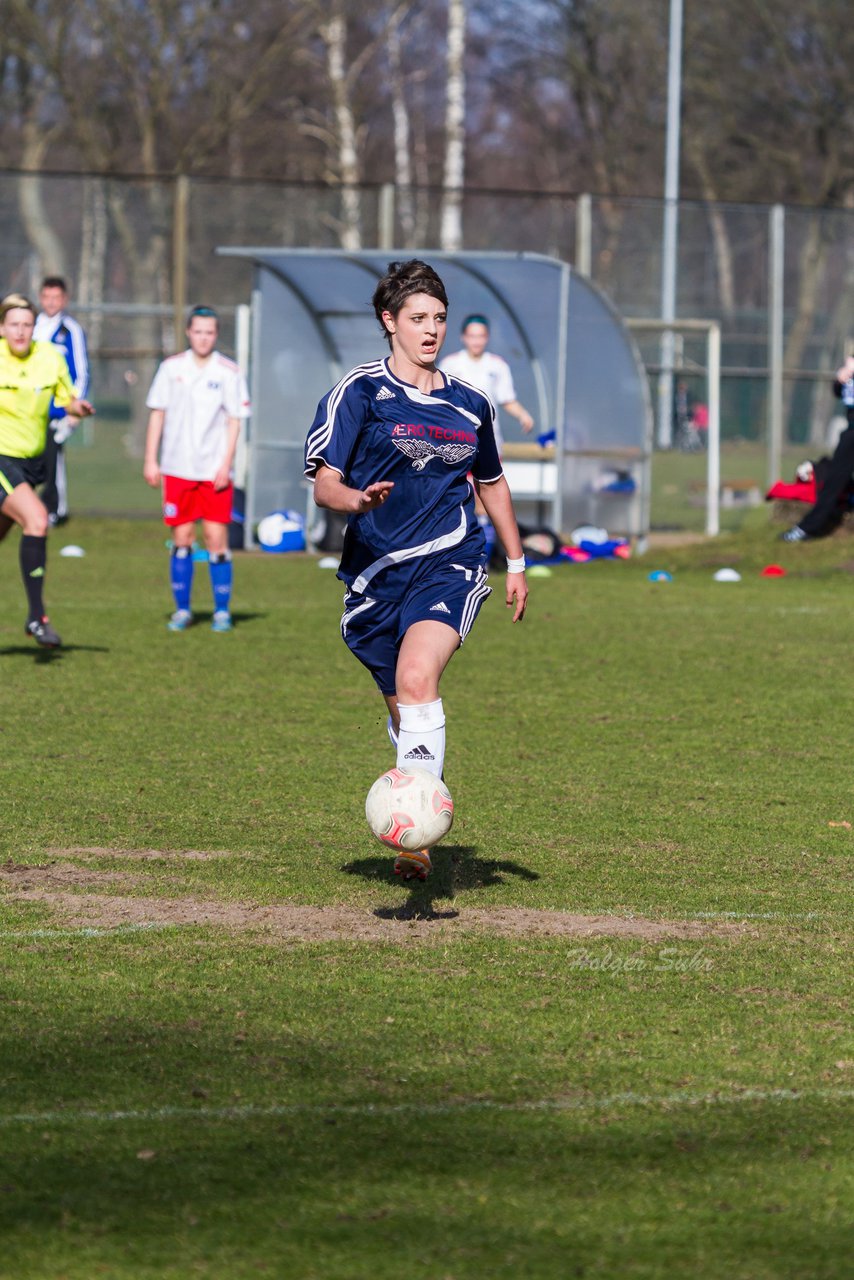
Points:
[795,534]
[413,866]
[43,633]
[222,621]
[180,620]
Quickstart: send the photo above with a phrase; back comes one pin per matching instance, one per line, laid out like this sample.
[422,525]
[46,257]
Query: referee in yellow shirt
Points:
[31,374]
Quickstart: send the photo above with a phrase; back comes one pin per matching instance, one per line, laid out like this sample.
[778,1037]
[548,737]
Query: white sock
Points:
[421,739]
[391,733]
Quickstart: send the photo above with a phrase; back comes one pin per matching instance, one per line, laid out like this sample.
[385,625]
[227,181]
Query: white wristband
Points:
[516,566]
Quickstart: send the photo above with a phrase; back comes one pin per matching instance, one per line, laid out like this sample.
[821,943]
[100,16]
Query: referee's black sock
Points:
[33,562]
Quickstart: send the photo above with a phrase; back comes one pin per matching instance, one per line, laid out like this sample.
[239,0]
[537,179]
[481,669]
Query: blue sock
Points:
[221,577]
[181,573]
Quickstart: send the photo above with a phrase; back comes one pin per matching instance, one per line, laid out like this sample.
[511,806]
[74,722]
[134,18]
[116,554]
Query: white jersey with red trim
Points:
[197,400]
[489,373]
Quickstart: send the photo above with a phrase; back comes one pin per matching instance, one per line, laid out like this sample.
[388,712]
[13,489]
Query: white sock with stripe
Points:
[391,732]
[421,740]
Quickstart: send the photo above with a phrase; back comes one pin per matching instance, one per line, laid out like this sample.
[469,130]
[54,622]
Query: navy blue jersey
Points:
[372,426]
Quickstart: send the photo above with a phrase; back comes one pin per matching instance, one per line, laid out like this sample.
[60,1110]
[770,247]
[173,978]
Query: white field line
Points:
[760,915]
[85,931]
[250,1111]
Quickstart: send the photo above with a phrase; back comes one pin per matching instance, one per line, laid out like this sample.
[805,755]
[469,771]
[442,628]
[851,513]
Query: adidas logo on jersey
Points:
[441,607]
[419,753]
[384,394]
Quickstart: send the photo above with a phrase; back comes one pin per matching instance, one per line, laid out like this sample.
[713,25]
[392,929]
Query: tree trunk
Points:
[840,331]
[813,267]
[451,229]
[93,254]
[334,34]
[148,278]
[402,134]
[41,235]
[720,235]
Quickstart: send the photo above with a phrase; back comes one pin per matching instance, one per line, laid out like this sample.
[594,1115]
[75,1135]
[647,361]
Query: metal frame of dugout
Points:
[574,362]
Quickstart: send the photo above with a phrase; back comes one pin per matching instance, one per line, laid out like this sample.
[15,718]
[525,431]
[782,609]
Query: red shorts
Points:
[185,501]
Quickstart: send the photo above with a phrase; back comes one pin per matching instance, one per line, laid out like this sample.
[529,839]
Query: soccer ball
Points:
[409,809]
[282,531]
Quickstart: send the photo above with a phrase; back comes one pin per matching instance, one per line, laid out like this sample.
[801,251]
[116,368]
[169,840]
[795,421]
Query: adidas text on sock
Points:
[421,740]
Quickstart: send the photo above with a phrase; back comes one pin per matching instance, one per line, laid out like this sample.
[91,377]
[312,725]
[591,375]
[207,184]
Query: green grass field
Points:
[611,1037]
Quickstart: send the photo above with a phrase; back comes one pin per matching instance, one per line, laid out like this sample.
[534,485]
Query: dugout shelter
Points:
[574,364]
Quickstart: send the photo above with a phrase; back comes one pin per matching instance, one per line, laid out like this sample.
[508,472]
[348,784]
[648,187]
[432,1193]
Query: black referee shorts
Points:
[15,471]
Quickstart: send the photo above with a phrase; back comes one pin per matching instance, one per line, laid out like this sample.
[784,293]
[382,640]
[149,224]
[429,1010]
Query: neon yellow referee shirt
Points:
[27,386]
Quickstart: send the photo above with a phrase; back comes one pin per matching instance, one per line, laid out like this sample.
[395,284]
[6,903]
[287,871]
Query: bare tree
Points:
[402,126]
[451,228]
[333,32]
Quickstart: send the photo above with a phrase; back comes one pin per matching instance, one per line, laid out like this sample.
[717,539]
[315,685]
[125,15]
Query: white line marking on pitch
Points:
[759,915]
[250,1111]
[85,931]
[89,931]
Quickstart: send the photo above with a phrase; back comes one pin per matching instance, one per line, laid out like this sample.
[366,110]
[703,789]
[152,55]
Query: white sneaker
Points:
[180,620]
[222,621]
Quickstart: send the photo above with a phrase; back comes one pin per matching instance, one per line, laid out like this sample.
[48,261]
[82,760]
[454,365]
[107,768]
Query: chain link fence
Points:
[138,252]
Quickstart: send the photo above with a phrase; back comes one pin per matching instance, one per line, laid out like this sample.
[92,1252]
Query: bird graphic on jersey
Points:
[359,432]
[421,452]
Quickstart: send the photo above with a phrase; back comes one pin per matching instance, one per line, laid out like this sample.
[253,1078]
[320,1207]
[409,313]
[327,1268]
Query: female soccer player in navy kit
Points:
[392,445]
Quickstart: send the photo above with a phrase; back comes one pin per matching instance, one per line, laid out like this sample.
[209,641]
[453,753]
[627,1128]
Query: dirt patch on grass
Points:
[526,922]
[47,879]
[320,924]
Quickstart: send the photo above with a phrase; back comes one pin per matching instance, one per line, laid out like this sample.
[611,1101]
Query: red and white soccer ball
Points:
[409,809]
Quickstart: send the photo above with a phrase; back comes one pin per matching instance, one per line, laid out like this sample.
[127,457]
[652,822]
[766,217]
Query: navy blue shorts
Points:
[15,471]
[373,629]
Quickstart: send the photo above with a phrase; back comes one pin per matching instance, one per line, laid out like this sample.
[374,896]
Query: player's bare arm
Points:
[520,413]
[498,505]
[80,409]
[331,492]
[151,466]
[222,479]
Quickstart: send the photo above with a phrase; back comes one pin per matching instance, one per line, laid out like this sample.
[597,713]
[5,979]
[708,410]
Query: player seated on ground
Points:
[829,507]
[197,401]
[31,375]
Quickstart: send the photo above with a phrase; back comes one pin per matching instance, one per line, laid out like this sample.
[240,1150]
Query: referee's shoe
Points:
[42,632]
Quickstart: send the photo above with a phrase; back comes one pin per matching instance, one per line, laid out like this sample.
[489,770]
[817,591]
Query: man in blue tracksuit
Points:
[53,324]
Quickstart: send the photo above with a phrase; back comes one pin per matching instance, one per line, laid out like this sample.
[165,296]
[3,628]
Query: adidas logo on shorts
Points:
[384,394]
[441,607]
[419,753]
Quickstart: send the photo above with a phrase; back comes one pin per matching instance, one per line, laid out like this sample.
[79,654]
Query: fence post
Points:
[713,443]
[386,217]
[180,231]
[584,235]
[776,267]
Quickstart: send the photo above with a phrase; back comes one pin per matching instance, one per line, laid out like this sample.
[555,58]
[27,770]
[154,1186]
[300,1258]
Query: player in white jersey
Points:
[392,446]
[197,402]
[487,371]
